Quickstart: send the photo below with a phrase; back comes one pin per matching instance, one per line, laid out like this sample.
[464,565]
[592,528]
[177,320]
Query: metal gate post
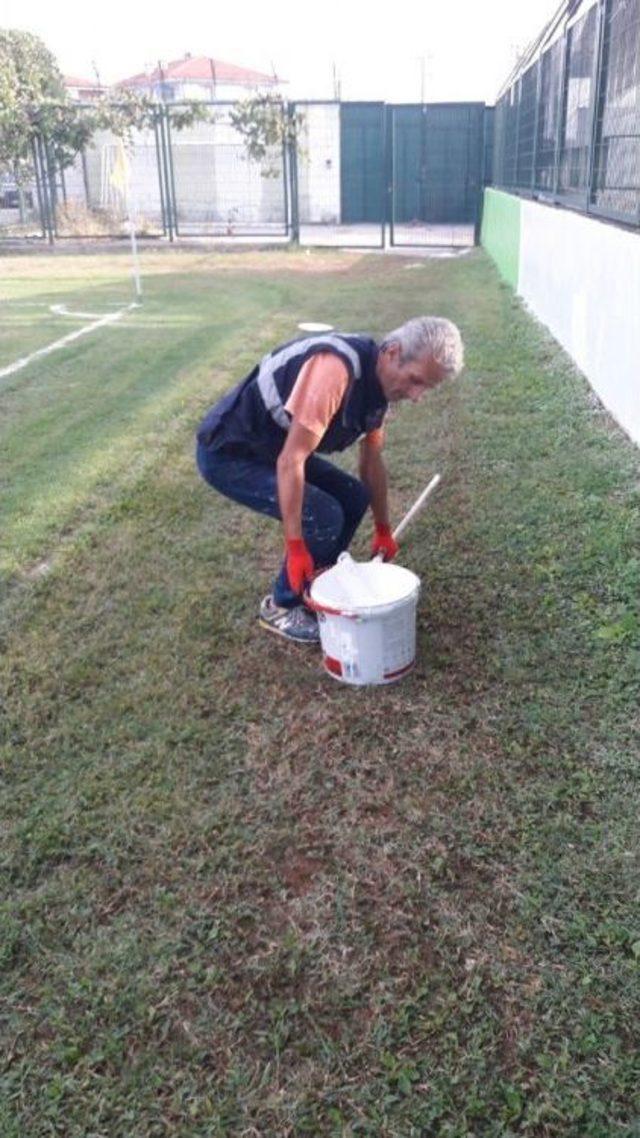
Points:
[171,185]
[536,124]
[481,176]
[562,96]
[390,171]
[161,186]
[165,165]
[598,96]
[387,218]
[45,186]
[38,180]
[293,169]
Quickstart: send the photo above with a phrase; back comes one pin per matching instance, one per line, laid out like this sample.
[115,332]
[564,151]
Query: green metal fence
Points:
[437,155]
[567,128]
[366,175]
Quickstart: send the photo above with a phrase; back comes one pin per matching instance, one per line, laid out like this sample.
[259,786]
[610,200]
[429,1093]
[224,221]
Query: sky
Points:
[450,50]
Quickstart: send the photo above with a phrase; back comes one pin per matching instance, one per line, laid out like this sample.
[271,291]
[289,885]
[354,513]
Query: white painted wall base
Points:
[581,277]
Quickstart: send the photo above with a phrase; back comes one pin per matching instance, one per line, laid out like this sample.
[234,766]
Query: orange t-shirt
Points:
[318,392]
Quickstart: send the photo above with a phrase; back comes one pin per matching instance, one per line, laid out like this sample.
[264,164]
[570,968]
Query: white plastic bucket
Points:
[367,619]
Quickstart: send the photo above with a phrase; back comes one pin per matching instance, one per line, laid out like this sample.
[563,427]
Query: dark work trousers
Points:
[333,506]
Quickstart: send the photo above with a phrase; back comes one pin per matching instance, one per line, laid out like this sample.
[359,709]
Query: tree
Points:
[266,124]
[35,105]
[29,79]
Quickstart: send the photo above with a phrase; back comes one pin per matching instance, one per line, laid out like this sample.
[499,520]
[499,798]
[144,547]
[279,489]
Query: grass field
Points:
[238,898]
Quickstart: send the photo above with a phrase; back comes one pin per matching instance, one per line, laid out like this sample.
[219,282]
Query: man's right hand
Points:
[300,565]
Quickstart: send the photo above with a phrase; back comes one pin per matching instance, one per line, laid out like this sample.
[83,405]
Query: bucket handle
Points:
[315,606]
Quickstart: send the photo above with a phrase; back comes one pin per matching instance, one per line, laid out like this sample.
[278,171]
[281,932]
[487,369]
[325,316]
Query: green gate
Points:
[362,163]
[437,158]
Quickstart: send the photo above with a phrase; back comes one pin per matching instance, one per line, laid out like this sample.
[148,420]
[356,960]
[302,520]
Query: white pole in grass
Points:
[121,179]
[136,262]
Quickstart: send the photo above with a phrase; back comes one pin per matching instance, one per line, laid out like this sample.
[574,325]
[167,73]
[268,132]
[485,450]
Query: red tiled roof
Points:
[203,68]
[71,81]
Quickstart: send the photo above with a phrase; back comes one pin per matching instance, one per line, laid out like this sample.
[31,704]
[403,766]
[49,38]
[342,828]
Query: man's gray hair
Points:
[429,336]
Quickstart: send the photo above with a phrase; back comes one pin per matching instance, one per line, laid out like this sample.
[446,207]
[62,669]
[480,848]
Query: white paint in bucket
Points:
[367,619]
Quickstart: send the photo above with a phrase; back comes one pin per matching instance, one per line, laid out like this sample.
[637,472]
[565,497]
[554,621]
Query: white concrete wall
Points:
[581,277]
[215,181]
[101,157]
[319,164]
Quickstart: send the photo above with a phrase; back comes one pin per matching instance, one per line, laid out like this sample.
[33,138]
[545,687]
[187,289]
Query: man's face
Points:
[406,380]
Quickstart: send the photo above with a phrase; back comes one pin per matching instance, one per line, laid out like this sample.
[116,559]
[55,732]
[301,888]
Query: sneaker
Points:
[294,624]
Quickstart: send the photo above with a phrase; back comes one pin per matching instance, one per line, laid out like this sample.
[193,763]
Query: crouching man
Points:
[260,445]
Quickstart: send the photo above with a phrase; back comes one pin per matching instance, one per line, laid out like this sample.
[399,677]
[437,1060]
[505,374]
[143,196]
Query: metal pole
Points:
[390,172]
[45,189]
[85,177]
[161,121]
[295,200]
[481,176]
[518,87]
[561,109]
[383,178]
[36,171]
[172,183]
[285,181]
[604,11]
[159,165]
[536,125]
[51,185]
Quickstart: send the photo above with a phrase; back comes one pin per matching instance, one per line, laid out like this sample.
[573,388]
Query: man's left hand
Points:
[384,542]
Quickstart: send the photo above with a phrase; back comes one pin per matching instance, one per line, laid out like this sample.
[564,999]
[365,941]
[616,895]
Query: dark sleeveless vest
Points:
[251,417]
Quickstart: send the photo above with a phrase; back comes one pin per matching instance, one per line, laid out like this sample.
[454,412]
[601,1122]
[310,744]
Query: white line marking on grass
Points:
[109,319]
[62,310]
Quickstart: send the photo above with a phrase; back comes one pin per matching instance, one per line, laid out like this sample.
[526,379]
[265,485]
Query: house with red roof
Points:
[83,90]
[199,77]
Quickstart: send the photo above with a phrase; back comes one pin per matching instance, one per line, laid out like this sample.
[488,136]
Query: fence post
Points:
[164,146]
[536,124]
[50,182]
[517,88]
[38,181]
[159,165]
[562,96]
[85,178]
[172,184]
[389,196]
[293,170]
[482,175]
[598,96]
[45,188]
[285,186]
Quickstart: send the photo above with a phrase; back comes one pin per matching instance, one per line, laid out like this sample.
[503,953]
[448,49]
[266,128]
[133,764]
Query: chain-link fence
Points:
[20,203]
[215,188]
[340,174]
[90,199]
[437,156]
[567,128]
[362,175]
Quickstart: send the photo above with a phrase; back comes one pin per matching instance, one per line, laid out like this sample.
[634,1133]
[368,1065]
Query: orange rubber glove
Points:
[299,563]
[384,542]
